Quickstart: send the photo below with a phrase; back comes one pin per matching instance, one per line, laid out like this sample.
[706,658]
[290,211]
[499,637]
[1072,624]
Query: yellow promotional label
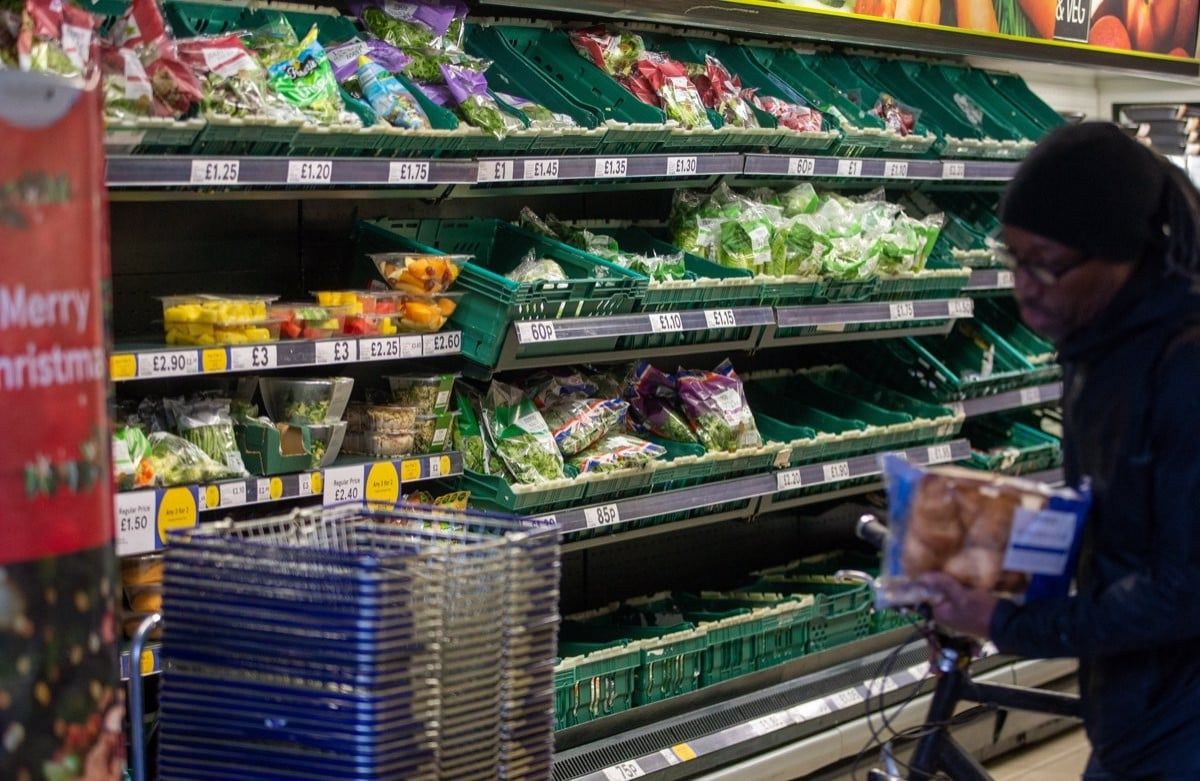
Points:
[215,360]
[122,367]
[318,483]
[383,485]
[176,510]
[276,488]
[147,662]
[444,465]
[684,752]
[410,470]
[212,497]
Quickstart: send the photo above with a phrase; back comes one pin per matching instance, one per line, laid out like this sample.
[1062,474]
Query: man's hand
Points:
[959,608]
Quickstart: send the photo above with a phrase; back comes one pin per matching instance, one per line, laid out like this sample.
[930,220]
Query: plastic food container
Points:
[312,402]
[417,273]
[200,334]
[371,325]
[309,321]
[426,315]
[143,570]
[225,310]
[433,432]
[327,441]
[145,599]
[361,302]
[382,418]
[428,392]
[371,443]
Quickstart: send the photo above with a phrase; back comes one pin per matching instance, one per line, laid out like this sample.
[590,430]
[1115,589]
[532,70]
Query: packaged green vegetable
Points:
[208,424]
[412,25]
[127,90]
[538,116]
[305,80]
[535,269]
[519,433]
[233,82]
[388,97]
[676,93]
[653,400]
[801,199]
[175,461]
[576,424]
[57,37]
[470,441]
[615,451]
[129,447]
[469,91]
[616,54]
[715,405]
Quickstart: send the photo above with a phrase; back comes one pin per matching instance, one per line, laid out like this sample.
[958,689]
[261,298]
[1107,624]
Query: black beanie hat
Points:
[1090,187]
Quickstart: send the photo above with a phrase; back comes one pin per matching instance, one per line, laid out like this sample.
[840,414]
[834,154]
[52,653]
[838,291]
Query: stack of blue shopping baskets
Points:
[412,644]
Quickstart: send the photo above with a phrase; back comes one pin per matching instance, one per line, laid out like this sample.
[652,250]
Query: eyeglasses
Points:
[1042,275]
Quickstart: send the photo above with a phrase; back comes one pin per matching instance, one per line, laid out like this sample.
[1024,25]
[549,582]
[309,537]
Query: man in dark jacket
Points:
[1102,237]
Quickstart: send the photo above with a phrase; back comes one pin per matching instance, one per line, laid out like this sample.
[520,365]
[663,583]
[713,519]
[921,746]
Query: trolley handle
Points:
[871,530]
[137,707]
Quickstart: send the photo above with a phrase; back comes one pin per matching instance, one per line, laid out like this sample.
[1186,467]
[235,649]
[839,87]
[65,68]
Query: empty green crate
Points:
[1004,444]
[493,302]
[1015,89]
[842,611]
[729,632]
[931,422]
[592,681]
[1003,319]
[777,630]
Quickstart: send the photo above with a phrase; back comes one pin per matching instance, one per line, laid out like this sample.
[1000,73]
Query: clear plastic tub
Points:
[417,273]
[431,433]
[311,402]
[204,334]
[305,320]
[370,443]
[428,392]
[362,302]
[371,325]
[214,310]
[142,570]
[327,441]
[409,315]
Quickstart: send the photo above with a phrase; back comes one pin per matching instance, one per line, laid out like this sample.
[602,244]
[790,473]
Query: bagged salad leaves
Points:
[988,532]
[129,448]
[57,37]
[172,460]
[208,424]
[143,30]
[519,434]
[653,402]
[302,74]
[233,81]
[469,439]
[677,95]
[657,267]
[576,424]
[615,451]
[802,119]
[388,98]
[715,405]
[614,53]
[469,91]
[127,90]
[539,117]
[413,25]
[552,386]
[722,92]
[801,199]
[344,58]
[898,118]
[535,269]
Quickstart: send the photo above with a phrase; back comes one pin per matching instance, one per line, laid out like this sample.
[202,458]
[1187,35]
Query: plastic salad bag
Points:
[388,98]
[127,90]
[208,424]
[519,434]
[470,440]
[988,532]
[615,451]
[233,82]
[143,29]
[677,95]
[57,37]
[469,91]
[304,77]
[722,92]
[802,119]
[413,25]
[615,54]
[535,269]
[539,117]
[715,405]
[173,460]
[653,401]
[576,424]
[344,59]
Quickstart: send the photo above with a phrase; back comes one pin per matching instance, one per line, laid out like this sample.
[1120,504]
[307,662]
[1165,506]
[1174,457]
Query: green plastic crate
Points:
[983,91]
[842,612]
[592,681]
[151,135]
[495,493]
[709,285]
[730,633]
[932,422]
[1001,317]
[1015,89]
[1007,445]
[940,279]
[493,302]
[775,632]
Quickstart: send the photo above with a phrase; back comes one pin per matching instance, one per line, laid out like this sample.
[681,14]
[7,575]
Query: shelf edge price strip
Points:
[604,515]
[172,363]
[536,331]
[343,484]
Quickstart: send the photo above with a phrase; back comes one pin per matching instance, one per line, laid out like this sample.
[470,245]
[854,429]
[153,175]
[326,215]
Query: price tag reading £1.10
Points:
[666,321]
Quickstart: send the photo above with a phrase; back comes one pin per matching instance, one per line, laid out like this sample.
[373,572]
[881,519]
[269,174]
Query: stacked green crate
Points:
[1002,318]
[593,680]
[842,608]
[1012,445]
[772,629]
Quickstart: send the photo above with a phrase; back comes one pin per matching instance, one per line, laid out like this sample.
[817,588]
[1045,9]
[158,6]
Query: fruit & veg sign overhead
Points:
[1157,29]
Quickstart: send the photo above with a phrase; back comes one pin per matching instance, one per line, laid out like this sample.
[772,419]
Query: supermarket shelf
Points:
[847,167]
[810,704]
[151,661]
[1016,399]
[829,315]
[988,279]
[143,518]
[619,513]
[576,328]
[502,170]
[219,173]
[156,362]
[1050,476]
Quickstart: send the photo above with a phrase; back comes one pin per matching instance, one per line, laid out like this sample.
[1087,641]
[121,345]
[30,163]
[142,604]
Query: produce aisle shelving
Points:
[303,218]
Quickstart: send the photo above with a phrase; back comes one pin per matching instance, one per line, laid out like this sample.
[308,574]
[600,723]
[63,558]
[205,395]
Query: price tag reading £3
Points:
[262,356]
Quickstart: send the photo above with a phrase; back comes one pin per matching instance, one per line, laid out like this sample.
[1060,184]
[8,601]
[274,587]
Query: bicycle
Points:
[937,751]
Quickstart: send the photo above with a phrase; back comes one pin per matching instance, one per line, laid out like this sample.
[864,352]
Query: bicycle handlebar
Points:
[871,531]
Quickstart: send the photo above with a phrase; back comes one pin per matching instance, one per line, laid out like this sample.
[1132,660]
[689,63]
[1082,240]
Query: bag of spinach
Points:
[519,433]
[715,404]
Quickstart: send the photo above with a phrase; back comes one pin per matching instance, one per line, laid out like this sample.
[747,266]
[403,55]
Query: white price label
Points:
[541,169]
[168,364]
[536,331]
[940,454]
[720,318]
[847,698]
[1030,396]
[901,311]
[770,723]
[836,472]
[448,343]
[666,321]
[604,515]
[343,484]
[206,171]
[807,711]
[495,171]
[1004,279]
[136,522]
[682,166]
[339,351]
[408,172]
[304,485]
[435,466]
[623,771]
[877,687]
[961,307]
[849,168]
[954,170]
[261,356]
[411,347]
[233,494]
[382,349]
[612,167]
[895,169]
[309,171]
[802,166]
[262,490]
[789,480]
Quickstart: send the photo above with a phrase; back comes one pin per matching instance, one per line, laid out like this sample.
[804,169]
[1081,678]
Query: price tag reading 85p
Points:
[604,515]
